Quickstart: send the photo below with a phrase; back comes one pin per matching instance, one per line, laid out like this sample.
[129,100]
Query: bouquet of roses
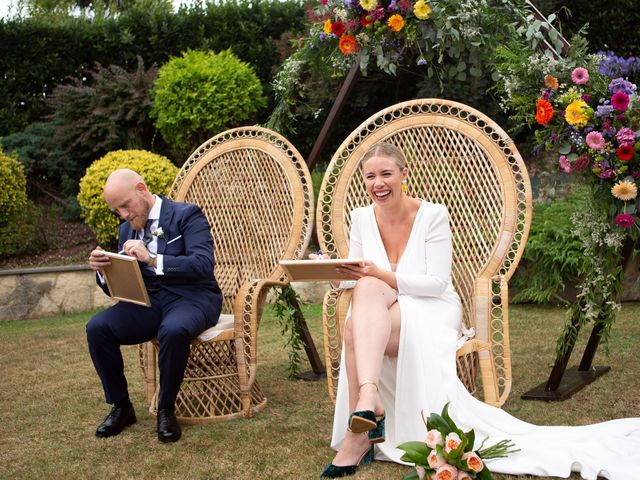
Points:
[592,121]
[448,454]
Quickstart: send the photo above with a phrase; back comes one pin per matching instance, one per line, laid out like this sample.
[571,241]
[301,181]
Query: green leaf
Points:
[564,149]
[415,452]
[485,474]
[412,476]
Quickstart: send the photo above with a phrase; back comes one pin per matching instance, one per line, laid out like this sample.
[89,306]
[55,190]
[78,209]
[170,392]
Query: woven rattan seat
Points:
[458,157]
[255,189]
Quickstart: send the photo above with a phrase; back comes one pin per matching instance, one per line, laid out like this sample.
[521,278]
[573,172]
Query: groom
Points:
[173,244]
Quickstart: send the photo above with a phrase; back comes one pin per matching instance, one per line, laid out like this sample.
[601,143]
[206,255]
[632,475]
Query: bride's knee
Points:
[368,285]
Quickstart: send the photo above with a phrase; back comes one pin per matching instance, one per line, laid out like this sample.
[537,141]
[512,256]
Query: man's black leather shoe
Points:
[168,428]
[119,418]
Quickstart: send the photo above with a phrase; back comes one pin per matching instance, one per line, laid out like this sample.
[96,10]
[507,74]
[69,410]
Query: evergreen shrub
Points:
[157,171]
[201,94]
[17,214]
[553,257]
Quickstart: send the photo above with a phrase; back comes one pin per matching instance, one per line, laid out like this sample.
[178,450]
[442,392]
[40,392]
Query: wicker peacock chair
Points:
[255,189]
[458,157]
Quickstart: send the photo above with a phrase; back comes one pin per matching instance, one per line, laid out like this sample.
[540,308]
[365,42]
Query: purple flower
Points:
[620,101]
[322,36]
[621,117]
[622,85]
[546,94]
[613,66]
[580,76]
[586,97]
[421,61]
[603,111]
[626,136]
[393,6]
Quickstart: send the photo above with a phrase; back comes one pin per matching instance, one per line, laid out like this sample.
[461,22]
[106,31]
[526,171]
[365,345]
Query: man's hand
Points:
[98,260]
[136,248]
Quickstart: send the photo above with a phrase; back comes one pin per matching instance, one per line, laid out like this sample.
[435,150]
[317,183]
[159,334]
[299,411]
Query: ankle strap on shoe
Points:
[368,382]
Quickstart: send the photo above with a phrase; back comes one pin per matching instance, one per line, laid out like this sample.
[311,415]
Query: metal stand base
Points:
[572,381]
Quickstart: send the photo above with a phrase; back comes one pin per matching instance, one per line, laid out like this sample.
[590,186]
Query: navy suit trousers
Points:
[171,319]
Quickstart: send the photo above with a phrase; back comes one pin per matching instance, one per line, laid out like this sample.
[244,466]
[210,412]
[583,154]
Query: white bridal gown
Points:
[423,377]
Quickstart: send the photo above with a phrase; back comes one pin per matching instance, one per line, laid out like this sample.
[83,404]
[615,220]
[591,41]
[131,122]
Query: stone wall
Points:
[38,292]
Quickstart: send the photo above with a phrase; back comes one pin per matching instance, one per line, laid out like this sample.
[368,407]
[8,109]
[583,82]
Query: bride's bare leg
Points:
[372,331]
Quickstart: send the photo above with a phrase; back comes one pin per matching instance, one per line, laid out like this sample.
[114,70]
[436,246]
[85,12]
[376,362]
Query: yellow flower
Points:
[395,22]
[421,10]
[369,5]
[327,27]
[624,190]
[577,113]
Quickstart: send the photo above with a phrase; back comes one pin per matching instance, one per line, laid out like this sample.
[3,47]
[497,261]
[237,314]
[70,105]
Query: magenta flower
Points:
[626,137]
[581,162]
[620,101]
[580,76]
[595,140]
[565,164]
[624,220]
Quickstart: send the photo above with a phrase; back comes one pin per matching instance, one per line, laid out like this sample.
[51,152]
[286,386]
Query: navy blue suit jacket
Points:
[188,258]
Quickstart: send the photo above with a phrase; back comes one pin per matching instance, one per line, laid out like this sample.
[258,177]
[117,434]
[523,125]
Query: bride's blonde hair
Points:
[387,150]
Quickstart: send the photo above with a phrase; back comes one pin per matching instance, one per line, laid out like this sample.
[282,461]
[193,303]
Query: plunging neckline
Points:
[381,243]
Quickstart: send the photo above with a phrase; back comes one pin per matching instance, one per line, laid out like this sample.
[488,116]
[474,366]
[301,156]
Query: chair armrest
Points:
[490,316]
[247,311]
[334,312]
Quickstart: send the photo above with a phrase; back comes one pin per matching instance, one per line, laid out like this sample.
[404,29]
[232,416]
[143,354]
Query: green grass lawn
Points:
[51,403]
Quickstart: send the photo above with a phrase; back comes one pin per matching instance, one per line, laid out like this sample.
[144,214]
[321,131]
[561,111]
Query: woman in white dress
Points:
[400,345]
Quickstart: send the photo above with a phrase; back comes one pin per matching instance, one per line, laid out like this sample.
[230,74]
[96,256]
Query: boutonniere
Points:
[158,232]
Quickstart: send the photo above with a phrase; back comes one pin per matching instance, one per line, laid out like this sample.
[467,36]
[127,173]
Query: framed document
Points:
[315,270]
[124,279]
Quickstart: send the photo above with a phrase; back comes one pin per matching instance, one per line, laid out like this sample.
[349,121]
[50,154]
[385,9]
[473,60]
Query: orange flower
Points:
[327,27]
[395,22]
[348,44]
[544,111]
[551,82]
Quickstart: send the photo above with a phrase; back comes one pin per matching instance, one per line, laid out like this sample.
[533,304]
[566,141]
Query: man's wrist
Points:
[152,260]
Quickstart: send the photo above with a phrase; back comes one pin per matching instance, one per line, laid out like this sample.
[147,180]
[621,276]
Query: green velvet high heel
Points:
[336,471]
[362,421]
[376,435]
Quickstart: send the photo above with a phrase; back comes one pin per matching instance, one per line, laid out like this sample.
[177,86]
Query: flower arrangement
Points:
[158,232]
[590,121]
[448,454]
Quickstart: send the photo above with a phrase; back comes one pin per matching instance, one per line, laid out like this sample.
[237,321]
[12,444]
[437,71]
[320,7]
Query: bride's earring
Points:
[405,188]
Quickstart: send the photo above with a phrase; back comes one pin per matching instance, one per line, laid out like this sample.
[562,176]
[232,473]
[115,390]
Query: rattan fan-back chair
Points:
[458,157]
[255,189]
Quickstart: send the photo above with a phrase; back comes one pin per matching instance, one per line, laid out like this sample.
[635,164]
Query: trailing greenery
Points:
[201,94]
[286,308]
[158,173]
[18,229]
[38,53]
[553,257]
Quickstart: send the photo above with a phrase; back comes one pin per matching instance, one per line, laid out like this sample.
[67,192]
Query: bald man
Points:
[176,260]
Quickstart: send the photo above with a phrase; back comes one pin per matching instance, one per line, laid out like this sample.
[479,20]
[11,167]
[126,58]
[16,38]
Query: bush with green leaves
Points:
[18,232]
[201,94]
[157,171]
[554,256]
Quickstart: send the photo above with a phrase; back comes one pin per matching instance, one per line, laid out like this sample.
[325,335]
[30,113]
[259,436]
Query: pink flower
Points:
[446,472]
[565,164]
[473,460]
[421,472]
[434,460]
[595,140]
[626,137]
[580,76]
[451,442]
[462,475]
[434,437]
[620,101]
[624,220]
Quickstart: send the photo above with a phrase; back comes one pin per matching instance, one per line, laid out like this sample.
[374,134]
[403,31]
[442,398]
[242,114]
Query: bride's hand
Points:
[365,269]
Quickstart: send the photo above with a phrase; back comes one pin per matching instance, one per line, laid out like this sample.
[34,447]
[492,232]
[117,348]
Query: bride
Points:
[400,345]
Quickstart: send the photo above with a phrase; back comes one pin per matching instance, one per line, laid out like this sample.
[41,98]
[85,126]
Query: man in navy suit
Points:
[173,244]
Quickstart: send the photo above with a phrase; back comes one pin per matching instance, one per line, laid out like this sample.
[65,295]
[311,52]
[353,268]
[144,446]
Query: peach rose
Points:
[434,460]
[421,472]
[462,475]
[474,462]
[451,442]
[447,472]
[434,437]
